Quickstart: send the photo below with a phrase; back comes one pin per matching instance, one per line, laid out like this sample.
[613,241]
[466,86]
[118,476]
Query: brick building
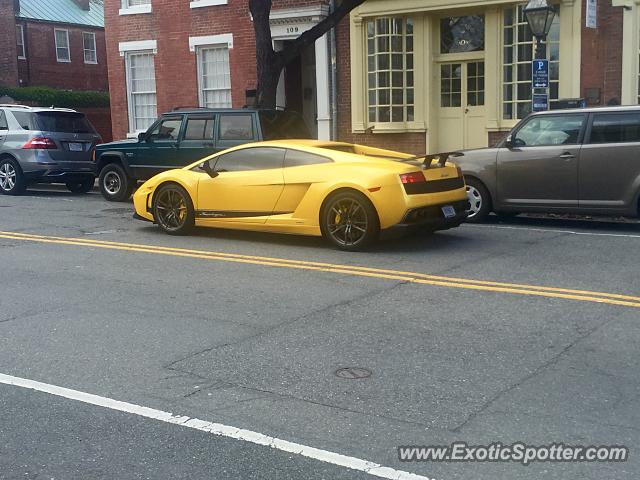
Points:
[414,75]
[165,54]
[58,44]
[55,43]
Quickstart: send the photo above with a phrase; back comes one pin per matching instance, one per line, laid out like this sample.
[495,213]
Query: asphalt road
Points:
[94,303]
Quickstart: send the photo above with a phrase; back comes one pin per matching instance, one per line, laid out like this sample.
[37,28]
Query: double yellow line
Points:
[410,277]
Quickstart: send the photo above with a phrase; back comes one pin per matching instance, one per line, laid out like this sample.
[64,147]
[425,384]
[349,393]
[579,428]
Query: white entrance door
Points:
[461,114]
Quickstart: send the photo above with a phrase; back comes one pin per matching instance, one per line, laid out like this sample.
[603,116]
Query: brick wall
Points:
[171,24]
[100,118]
[42,68]
[602,54]
[8,49]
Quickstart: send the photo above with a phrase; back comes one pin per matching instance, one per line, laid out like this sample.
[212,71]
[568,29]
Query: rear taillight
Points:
[40,143]
[459,170]
[413,177]
[93,154]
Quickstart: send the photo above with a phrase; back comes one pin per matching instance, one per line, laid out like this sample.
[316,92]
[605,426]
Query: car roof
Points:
[302,142]
[26,108]
[606,108]
[191,110]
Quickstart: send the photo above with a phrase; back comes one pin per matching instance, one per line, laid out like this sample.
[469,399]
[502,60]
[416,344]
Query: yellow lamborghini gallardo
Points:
[347,193]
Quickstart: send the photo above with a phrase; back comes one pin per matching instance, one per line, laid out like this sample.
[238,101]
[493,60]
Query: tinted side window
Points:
[199,129]
[615,128]
[296,158]
[251,159]
[551,130]
[236,127]
[3,121]
[167,130]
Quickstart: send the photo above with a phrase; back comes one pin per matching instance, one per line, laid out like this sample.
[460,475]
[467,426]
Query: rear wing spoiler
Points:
[440,158]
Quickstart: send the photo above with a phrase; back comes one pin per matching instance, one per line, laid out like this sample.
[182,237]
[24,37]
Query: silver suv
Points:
[45,145]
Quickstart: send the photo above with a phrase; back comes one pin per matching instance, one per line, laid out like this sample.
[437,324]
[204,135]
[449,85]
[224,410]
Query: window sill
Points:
[382,128]
[135,10]
[63,61]
[90,63]
[206,3]
[22,58]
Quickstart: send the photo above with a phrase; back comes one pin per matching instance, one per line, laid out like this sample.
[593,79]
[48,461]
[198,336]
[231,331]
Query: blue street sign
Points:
[540,102]
[540,73]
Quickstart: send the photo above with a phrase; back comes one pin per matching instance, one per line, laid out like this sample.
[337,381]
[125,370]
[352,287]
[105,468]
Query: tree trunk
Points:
[271,63]
[268,62]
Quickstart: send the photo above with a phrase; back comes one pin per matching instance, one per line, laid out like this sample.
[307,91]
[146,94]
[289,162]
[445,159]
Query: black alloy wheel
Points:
[173,210]
[349,221]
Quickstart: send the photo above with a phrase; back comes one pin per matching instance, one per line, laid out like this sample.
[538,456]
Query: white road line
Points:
[550,230]
[352,463]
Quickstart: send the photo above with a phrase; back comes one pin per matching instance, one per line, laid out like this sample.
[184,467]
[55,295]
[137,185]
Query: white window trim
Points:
[211,40]
[55,37]
[206,3]
[133,132]
[134,10]
[199,68]
[140,45]
[24,48]
[95,48]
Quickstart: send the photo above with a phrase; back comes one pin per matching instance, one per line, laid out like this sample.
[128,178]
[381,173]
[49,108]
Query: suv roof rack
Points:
[13,105]
[190,108]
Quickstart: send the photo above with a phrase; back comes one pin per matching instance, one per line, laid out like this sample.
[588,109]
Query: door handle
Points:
[466,110]
[567,156]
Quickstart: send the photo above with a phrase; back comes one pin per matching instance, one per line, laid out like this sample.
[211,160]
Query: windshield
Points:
[278,125]
[63,122]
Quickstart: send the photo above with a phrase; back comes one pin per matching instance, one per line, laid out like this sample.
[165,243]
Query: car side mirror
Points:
[511,142]
[206,166]
[142,136]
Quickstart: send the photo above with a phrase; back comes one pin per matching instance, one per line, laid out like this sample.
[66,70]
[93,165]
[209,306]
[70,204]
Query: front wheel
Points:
[115,184]
[83,186]
[11,177]
[173,210]
[349,221]
[479,201]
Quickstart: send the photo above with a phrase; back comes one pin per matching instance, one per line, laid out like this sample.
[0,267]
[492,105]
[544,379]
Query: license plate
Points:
[76,147]
[448,211]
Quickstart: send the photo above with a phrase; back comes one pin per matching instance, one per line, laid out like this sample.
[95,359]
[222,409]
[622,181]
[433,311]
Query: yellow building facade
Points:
[457,71]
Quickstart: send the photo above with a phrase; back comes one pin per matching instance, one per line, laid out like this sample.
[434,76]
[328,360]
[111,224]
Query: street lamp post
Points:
[539,15]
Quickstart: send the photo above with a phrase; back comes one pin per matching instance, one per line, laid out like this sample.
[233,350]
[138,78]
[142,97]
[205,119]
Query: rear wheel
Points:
[11,177]
[349,221]
[83,186]
[115,184]
[479,201]
[173,210]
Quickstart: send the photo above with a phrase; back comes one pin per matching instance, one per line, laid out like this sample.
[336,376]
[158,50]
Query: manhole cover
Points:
[353,373]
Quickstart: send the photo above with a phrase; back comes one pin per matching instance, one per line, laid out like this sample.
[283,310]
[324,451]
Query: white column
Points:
[323,93]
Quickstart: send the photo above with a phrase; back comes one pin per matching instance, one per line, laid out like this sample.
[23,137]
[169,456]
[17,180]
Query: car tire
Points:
[11,177]
[84,186]
[349,221]
[115,184]
[173,209]
[479,201]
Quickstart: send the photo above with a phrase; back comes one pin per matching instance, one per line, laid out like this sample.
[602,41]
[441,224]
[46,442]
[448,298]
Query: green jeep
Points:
[183,136]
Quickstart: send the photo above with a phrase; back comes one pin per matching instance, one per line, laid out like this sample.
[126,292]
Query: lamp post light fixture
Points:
[539,15]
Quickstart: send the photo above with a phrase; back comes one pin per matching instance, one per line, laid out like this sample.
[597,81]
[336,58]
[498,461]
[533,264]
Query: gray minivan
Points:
[583,161]
[45,145]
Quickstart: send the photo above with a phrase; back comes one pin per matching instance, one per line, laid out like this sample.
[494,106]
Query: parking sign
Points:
[540,73]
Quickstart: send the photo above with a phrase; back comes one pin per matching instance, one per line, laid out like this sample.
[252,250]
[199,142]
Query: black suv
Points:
[183,136]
